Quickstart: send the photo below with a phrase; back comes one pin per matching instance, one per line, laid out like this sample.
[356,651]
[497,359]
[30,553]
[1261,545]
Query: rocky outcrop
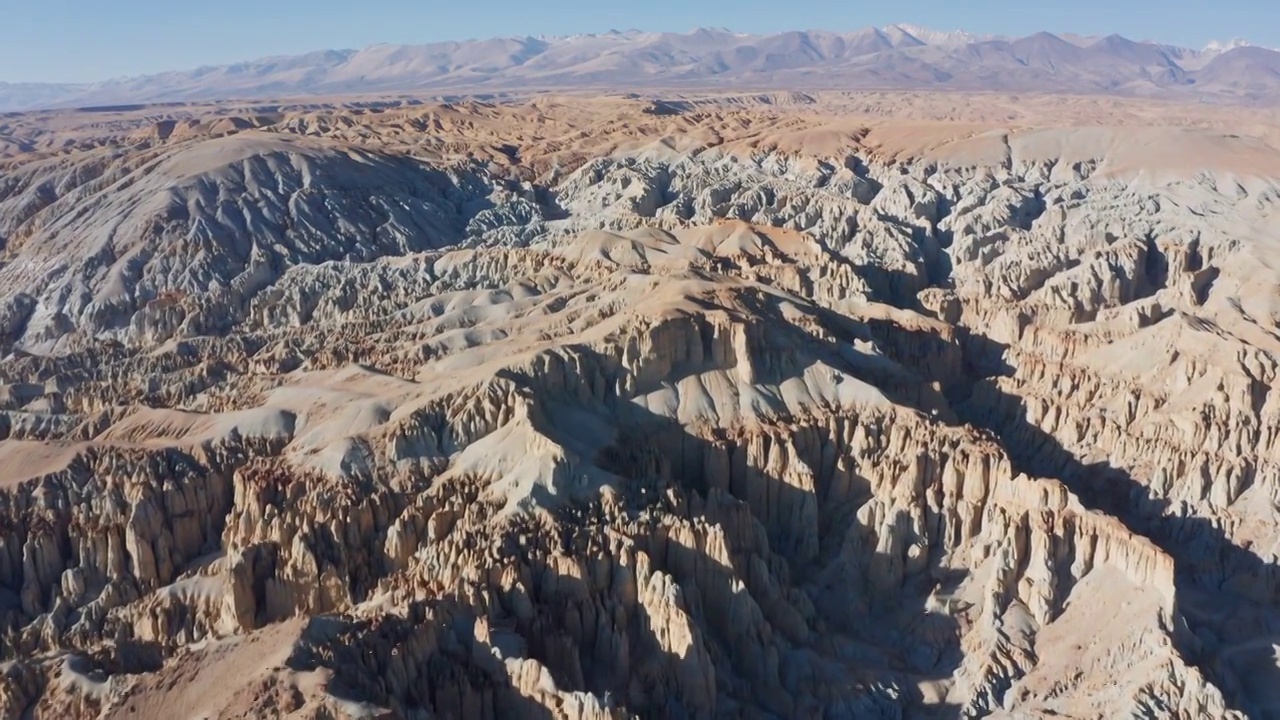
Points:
[711,428]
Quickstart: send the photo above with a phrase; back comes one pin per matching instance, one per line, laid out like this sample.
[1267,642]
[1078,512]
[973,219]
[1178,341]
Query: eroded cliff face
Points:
[301,421]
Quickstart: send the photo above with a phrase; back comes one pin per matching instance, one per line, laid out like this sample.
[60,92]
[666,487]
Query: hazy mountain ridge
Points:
[896,57]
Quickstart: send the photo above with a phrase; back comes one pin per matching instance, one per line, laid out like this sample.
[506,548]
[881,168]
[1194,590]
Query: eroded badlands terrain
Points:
[737,407]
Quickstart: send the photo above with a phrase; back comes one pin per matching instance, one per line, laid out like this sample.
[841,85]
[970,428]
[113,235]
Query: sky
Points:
[87,40]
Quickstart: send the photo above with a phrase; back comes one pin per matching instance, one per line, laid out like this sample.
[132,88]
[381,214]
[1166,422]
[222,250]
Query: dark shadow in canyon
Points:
[835,641]
[1217,584]
[858,638]
[457,678]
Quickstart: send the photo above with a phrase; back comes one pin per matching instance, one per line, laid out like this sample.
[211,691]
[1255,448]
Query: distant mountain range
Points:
[895,57]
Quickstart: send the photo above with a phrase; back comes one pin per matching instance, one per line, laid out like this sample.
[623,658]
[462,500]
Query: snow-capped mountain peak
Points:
[930,36]
[1218,47]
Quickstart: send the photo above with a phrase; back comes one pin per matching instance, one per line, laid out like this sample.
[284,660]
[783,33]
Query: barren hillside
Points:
[682,406]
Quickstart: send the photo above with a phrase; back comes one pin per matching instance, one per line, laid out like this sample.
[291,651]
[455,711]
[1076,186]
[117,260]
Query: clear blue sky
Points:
[79,40]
